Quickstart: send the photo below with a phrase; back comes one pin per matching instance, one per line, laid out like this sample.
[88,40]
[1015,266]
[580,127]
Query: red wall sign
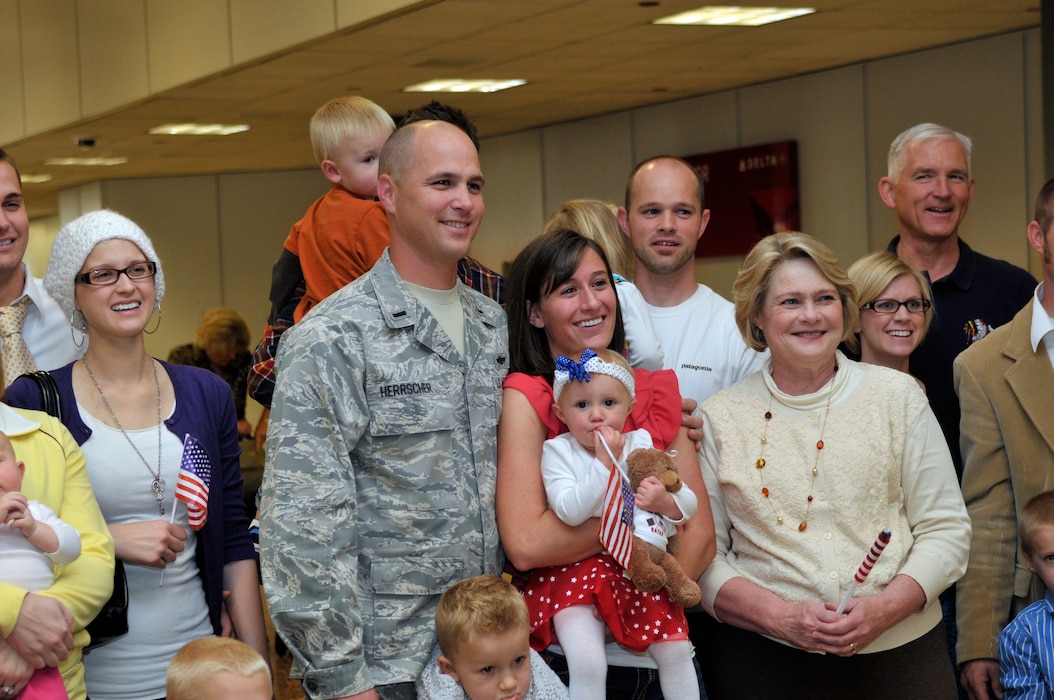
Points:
[751,193]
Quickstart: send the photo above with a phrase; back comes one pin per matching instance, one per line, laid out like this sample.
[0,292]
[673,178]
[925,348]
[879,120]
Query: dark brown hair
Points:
[543,265]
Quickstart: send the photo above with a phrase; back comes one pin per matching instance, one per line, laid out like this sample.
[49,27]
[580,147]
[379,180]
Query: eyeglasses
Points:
[891,306]
[104,275]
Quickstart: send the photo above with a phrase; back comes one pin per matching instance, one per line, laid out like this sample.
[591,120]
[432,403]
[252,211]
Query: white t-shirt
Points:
[702,344]
[163,615]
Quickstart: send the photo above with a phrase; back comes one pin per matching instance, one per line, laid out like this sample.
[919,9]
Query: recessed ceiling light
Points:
[85,161]
[458,85]
[35,179]
[731,15]
[200,129]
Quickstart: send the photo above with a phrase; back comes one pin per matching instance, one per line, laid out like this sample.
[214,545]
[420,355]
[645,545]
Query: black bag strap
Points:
[49,391]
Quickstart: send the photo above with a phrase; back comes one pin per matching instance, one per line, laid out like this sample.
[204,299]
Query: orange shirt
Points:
[338,239]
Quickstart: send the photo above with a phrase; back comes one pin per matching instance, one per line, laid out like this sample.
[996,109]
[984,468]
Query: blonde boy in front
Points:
[345,231]
[484,651]
[217,668]
[1026,647]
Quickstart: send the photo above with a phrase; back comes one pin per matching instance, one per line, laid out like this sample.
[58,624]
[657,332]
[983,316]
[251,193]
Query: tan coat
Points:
[1006,392]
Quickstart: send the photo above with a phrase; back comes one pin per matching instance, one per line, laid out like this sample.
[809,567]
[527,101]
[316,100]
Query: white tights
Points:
[581,637]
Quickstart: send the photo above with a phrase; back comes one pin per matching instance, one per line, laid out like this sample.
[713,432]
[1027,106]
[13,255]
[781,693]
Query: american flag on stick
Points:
[616,524]
[192,487]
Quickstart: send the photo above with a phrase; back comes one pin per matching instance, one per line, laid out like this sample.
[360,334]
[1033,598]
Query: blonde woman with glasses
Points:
[896,308]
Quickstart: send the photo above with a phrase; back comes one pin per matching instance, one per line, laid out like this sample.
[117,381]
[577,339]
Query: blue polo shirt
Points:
[978,296]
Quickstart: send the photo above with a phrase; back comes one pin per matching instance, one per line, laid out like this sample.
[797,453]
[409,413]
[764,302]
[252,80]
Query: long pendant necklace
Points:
[760,464]
[158,484]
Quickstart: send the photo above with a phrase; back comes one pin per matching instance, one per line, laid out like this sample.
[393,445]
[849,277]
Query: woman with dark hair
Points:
[562,301]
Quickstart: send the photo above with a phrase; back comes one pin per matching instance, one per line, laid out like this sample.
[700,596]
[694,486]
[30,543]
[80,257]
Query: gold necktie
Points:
[13,353]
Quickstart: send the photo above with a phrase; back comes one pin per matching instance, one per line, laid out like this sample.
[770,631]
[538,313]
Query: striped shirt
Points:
[1026,652]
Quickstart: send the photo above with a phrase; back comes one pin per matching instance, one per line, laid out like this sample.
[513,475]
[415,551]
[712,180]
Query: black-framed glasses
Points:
[105,275]
[891,306]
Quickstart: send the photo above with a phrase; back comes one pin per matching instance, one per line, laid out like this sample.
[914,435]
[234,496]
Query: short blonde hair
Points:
[753,281]
[344,117]
[477,606]
[222,329]
[598,221]
[871,275]
[1037,513]
[201,659]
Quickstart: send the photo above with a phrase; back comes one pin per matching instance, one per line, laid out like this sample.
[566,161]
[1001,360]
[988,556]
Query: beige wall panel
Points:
[685,127]
[79,200]
[824,113]
[50,60]
[261,27]
[113,56]
[587,158]
[512,166]
[179,216]
[187,40]
[13,125]
[42,233]
[352,12]
[256,211]
[976,88]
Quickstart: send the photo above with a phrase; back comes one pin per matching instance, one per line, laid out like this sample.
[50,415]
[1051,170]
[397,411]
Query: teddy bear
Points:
[651,567]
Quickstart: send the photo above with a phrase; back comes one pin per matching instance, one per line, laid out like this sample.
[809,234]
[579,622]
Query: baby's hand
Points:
[615,440]
[12,504]
[652,495]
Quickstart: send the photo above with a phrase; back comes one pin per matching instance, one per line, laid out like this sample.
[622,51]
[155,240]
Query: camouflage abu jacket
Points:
[379,486]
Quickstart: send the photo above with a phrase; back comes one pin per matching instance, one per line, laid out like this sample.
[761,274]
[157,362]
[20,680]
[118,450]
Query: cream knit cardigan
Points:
[885,464]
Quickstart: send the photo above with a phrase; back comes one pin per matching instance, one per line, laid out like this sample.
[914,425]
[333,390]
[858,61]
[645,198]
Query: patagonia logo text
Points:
[407,389]
[698,368]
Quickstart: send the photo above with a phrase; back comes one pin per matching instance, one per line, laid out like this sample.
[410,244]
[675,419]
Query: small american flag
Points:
[192,487]
[616,525]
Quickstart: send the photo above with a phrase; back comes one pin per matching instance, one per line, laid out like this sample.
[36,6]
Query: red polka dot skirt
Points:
[636,619]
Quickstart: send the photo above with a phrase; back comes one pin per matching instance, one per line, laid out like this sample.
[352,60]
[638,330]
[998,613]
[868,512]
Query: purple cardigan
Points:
[205,409]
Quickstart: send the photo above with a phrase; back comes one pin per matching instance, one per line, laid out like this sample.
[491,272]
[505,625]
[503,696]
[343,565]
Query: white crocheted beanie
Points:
[75,242]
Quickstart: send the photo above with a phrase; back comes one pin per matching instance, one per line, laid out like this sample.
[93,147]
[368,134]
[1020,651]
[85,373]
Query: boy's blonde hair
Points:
[1037,513]
[477,606]
[598,221]
[342,117]
[201,659]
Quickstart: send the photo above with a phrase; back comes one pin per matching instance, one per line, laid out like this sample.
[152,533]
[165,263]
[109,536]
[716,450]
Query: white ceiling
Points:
[581,58]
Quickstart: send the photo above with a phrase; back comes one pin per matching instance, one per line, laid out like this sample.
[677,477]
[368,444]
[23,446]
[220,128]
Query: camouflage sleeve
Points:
[308,531]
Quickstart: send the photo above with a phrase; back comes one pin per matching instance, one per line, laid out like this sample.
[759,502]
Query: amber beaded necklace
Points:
[760,464]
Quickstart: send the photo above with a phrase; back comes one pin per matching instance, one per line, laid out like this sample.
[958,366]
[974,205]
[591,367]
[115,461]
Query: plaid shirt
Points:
[262,373]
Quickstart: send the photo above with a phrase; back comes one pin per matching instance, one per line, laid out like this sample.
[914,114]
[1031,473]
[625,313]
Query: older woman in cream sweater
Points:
[805,463]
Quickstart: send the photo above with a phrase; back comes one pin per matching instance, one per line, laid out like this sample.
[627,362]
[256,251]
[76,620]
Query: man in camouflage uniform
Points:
[381,460]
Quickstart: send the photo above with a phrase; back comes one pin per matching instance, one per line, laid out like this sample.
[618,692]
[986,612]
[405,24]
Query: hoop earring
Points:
[158,304]
[74,326]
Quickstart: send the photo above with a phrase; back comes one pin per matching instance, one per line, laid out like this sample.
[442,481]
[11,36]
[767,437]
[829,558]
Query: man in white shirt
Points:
[665,217]
[45,329]
[1006,434]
